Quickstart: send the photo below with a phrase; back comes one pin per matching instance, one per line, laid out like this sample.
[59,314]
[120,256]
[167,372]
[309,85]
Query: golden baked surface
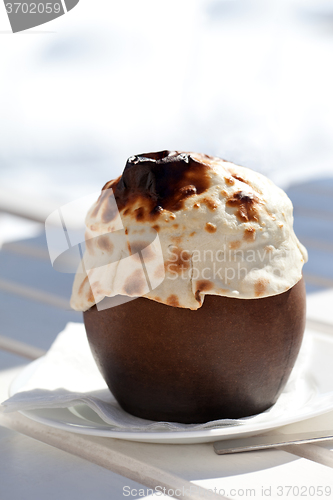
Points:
[201,225]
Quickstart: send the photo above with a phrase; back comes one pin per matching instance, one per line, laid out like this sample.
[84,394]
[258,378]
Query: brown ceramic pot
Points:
[229,359]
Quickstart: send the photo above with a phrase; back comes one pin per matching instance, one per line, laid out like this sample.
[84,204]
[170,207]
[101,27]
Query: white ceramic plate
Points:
[319,399]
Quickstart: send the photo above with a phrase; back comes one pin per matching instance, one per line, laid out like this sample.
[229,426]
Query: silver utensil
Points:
[264,442]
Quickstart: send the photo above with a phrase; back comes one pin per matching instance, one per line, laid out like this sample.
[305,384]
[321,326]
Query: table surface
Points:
[35,459]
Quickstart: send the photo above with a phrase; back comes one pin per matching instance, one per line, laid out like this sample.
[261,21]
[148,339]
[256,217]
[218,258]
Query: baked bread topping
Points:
[200,224]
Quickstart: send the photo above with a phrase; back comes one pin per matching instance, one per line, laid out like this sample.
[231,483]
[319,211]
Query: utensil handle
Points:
[269,441]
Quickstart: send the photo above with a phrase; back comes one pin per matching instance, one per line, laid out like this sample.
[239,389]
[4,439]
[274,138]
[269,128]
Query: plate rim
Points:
[189,436]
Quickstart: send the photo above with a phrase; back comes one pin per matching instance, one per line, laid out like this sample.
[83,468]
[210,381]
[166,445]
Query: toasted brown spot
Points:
[249,234]
[175,225]
[172,216]
[135,284]
[210,228]
[187,191]
[193,233]
[156,211]
[234,245]
[196,205]
[245,181]
[110,184]
[159,272]
[210,203]
[172,300]
[161,180]
[260,287]
[104,243]
[127,211]
[246,204]
[281,226]
[83,284]
[224,192]
[204,285]
[90,245]
[239,178]
[103,201]
[94,290]
[178,261]
[139,214]
[156,227]
[229,180]
[110,210]
[91,297]
[126,231]
[138,246]
[176,239]
[95,287]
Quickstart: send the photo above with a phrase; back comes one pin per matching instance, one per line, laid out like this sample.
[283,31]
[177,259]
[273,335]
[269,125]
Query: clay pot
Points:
[229,359]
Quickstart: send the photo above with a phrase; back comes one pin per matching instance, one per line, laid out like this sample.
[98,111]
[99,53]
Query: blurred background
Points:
[247,80]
